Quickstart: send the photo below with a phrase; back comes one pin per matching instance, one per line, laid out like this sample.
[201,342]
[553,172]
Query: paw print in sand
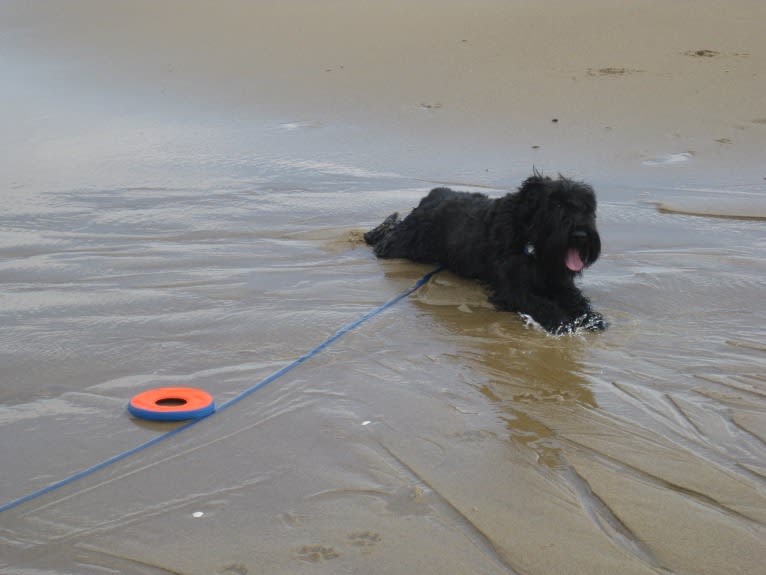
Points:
[233,569]
[316,553]
[364,538]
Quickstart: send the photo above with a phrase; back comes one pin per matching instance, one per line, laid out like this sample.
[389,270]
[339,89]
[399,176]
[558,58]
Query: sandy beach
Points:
[185,185]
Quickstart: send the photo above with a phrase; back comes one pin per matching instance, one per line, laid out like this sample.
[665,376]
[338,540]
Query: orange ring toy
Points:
[172,404]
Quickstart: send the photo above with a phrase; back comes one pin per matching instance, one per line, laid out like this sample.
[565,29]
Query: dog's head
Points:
[558,222]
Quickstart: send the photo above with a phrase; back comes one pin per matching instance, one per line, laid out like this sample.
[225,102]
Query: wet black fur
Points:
[516,245]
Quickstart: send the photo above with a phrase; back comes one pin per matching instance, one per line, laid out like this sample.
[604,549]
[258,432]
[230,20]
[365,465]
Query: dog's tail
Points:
[374,236]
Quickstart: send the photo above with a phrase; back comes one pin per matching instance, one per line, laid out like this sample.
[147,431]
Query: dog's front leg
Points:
[581,315]
[557,315]
[544,311]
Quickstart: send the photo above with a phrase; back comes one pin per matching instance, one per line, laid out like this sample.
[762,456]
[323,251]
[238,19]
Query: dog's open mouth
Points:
[574,261]
[580,252]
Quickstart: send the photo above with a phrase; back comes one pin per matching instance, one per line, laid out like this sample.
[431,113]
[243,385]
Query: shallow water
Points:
[142,247]
[478,424]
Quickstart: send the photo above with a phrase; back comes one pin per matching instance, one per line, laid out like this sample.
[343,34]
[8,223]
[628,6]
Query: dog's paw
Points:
[594,321]
[591,321]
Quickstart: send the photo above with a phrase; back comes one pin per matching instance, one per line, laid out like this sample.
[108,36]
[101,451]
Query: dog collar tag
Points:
[529,250]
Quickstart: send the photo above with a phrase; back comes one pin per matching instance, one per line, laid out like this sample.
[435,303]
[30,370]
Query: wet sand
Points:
[185,185]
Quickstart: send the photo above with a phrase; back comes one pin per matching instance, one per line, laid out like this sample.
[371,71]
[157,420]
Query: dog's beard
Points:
[584,247]
[571,250]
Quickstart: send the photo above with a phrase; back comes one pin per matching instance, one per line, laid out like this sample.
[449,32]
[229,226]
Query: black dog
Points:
[527,247]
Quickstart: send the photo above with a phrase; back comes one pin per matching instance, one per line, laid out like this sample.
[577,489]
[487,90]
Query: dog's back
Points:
[446,227]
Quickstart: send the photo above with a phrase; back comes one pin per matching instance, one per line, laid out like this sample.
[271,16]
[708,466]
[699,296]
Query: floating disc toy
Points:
[172,404]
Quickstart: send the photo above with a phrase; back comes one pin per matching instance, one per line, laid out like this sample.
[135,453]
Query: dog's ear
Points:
[534,191]
[534,184]
[531,204]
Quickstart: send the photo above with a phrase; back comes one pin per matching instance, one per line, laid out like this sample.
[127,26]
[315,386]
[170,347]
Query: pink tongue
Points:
[573,261]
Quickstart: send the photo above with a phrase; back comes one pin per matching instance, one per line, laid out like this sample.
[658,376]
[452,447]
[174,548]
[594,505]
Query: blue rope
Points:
[237,398]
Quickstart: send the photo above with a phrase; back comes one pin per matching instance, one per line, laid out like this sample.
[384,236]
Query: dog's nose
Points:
[580,234]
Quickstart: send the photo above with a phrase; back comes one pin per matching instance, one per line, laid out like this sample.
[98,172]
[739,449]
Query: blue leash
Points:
[236,399]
